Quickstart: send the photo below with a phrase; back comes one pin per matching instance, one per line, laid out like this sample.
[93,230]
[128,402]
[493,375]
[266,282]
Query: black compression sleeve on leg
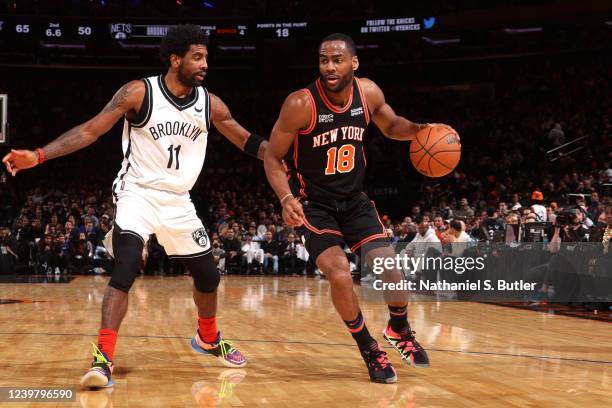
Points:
[127,248]
[206,277]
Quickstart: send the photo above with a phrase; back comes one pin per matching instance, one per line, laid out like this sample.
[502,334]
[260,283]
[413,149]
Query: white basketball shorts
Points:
[171,217]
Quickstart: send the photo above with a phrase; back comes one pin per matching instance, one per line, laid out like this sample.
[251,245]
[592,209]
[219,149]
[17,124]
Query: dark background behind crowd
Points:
[510,110]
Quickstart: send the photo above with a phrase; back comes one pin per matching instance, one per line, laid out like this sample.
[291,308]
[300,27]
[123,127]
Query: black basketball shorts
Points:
[353,221]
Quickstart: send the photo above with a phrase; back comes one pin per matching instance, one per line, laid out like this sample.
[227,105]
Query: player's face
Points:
[336,65]
[193,66]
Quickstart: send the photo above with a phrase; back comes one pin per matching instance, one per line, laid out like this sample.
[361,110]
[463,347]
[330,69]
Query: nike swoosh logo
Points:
[199,110]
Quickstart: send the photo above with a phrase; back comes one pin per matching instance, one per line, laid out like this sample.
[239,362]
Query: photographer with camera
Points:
[569,227]
[558,277]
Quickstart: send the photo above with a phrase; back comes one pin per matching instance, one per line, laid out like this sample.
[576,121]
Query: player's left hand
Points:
[293,213]
[20,160]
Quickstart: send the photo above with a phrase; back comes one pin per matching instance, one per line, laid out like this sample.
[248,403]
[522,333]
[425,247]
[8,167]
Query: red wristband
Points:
[41,155]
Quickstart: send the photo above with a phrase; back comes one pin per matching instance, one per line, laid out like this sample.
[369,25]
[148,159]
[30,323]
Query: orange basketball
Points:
[435,151]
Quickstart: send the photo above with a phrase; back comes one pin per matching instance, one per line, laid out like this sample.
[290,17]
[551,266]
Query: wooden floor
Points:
[300,353]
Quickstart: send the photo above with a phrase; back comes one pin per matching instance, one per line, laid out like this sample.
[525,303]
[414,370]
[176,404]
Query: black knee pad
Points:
[206,277]
[127,249]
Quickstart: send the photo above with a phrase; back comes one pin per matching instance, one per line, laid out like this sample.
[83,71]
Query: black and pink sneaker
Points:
[379,366]
[410,349]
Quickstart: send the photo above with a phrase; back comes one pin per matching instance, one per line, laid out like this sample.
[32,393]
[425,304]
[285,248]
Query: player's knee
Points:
[127,248]
[336,270]
[340,278]
[205,275]
[333,264]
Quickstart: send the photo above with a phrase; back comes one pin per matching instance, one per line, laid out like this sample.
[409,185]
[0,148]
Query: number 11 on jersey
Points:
[174,151]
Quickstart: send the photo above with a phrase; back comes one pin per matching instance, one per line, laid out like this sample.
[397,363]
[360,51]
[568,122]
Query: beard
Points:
[185,79]
[342,83]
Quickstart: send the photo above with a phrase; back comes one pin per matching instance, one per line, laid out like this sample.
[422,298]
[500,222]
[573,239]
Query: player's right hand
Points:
[20,160]
[293,214]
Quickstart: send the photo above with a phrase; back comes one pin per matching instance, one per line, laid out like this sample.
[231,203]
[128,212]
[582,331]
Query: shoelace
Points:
[380,357]
[98,355]
[408,342]
[226,347]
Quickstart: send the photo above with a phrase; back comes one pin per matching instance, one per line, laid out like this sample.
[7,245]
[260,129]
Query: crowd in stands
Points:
[54,218]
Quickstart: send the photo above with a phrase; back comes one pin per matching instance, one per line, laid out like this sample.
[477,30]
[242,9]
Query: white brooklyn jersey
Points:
[166,150]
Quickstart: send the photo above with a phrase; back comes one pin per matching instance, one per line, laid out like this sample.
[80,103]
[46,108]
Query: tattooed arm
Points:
[126,101]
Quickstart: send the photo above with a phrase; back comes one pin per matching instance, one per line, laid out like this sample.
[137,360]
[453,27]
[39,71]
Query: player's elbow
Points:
[89,133]
[271,160]
[269,157]
[390,128]
[388,131]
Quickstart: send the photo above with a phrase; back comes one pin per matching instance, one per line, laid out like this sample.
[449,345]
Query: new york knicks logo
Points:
[200,237]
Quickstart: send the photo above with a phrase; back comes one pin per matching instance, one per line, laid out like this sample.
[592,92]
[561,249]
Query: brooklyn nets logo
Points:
[200,237]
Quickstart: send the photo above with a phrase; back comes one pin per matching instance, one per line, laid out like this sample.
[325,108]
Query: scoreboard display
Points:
[75,29]
[23,28]
[282,30]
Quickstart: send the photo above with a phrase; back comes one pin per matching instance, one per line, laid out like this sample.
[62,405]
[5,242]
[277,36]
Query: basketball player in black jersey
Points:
[319,138]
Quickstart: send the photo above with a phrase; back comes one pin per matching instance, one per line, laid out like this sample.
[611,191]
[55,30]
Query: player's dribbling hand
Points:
[293,214]
[20,160]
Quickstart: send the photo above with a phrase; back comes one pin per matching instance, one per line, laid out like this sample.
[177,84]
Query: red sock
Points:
[107,339]
[207,327]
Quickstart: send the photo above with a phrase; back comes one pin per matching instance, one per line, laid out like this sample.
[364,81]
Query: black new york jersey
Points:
[327,160]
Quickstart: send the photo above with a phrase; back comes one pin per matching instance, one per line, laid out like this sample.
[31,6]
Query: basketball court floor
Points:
[300,353]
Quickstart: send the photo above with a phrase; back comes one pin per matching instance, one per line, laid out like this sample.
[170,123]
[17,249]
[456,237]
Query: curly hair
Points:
[178,39]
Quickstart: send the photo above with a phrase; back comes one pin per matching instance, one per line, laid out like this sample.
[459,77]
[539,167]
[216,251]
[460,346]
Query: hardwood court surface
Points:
[300,353]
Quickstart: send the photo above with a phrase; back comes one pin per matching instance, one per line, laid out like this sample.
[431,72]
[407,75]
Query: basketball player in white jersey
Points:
[166,124]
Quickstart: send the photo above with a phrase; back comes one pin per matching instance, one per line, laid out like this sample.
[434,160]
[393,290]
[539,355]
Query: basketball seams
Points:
[426,152]
[416,139]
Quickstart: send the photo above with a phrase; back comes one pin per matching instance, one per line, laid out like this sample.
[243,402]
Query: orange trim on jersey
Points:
[295,152]
[313,115]
[328,103]
[302,185]
[311,126]
[367,239]
[318,231]
[364,102]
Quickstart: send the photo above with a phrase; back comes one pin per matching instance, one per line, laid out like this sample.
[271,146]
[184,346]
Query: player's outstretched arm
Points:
[390,124]
[251,143]
[294,115]
[128,98]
